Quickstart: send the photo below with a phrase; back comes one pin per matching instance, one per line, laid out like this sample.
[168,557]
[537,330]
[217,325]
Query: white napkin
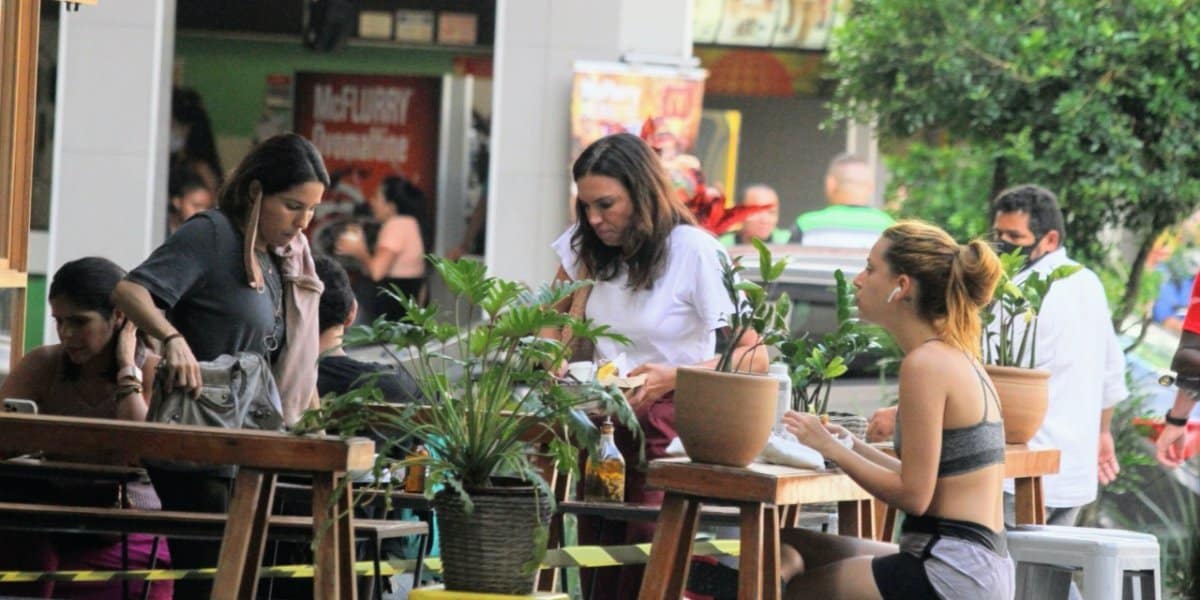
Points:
[784,449]
[675,448]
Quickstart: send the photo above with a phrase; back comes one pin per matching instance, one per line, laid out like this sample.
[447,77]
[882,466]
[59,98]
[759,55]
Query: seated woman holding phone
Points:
[96,371]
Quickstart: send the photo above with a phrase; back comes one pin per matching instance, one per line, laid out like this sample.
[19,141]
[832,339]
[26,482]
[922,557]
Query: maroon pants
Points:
[657,420]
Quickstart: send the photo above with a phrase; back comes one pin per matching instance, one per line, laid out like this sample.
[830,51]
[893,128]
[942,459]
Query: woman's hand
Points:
[127,345]
[351,243]
[660,380]
[183,371]
[809,430]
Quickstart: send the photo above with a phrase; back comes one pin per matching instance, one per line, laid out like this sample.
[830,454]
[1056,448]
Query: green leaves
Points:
[1094,100]
[486,381]
[813,364]
[1017,302]
[753,309]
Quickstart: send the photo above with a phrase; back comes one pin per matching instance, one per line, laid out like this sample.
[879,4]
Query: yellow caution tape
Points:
[572,556]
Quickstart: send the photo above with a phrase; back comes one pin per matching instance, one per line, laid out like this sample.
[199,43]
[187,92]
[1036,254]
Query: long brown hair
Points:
[277,164]
[656,211]
[955,280]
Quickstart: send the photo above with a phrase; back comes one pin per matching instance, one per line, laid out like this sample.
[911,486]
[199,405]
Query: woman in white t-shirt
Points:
[399,257]
[658,282]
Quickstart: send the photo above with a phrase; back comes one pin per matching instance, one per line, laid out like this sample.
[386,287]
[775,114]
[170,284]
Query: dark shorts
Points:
[901,576]
[945,558]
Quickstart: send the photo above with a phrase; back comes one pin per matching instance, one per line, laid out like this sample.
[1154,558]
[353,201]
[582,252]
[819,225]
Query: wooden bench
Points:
[76,519]
[259,456]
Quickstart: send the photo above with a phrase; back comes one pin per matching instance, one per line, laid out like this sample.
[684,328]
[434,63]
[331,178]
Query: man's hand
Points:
[1171,446]
[1108,467]
[882,425]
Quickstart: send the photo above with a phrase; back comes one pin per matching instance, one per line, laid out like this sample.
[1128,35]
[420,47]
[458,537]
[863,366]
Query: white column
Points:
[112,122]
[861,140]
[537,42]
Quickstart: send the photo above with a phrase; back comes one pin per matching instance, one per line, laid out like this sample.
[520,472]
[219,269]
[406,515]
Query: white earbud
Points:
[892,296]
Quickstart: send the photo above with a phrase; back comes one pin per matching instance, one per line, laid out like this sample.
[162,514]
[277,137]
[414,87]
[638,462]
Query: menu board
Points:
[801,24]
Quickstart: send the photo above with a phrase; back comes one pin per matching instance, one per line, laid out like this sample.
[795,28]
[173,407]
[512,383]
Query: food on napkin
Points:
[612,373]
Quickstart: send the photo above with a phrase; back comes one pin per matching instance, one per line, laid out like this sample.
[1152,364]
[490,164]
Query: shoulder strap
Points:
[986,391]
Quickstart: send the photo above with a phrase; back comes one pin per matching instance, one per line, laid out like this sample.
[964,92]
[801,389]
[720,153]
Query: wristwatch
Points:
[130,372]
[1176,421]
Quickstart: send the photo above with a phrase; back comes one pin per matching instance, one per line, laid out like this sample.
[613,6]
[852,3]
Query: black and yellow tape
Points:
[573,556]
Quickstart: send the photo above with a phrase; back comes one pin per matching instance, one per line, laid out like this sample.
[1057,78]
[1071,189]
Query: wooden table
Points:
[1023,463]
[759,491]
[260,455]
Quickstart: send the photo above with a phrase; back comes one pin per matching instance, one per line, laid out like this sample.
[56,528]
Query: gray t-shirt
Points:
[199,278]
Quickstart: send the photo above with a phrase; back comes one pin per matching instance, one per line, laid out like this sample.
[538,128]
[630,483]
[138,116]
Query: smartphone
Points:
[20,405]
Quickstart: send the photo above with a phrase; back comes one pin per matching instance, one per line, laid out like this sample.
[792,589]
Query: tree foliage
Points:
[1098,100]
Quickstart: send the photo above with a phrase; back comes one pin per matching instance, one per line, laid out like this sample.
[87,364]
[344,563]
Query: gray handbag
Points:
[238,392]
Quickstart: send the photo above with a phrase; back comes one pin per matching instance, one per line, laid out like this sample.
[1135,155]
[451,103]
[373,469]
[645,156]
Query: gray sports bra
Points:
[969,448]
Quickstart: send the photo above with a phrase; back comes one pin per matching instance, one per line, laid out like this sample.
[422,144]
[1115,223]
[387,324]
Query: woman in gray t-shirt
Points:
[217,286]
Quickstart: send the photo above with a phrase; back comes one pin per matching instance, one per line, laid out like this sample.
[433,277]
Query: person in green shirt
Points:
[849,221]
[762,224]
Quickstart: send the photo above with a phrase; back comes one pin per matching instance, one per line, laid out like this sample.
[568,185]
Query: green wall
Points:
[231,74]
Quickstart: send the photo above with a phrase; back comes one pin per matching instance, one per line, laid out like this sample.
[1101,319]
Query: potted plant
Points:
[724,415]
[488,395]
[1010,345]
[814,364]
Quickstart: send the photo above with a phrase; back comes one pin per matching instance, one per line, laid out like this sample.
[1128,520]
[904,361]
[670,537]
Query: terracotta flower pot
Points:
[1024,396]
[724,418]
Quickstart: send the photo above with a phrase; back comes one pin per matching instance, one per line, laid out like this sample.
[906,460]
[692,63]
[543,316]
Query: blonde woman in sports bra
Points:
[926,290]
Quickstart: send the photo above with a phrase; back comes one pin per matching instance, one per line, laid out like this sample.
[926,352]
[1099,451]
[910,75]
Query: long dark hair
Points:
[88,284]
[656,211]
[188,108]
[277,164]
[408,200]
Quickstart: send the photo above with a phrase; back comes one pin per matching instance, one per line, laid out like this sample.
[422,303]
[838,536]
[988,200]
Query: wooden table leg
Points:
[326,583]
[245,535]
[344,532]
[1031,507]
[856,518]
[885,519]
[671,550]
[750,564]
[770,570]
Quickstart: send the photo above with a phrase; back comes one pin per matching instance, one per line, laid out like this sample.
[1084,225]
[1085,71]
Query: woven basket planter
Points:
[486,550]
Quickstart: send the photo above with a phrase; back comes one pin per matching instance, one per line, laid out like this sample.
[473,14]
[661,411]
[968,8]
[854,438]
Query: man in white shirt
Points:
[1076,343]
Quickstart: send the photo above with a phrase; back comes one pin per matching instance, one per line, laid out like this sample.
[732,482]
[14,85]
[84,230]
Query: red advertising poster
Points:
[369,127]
[611,98]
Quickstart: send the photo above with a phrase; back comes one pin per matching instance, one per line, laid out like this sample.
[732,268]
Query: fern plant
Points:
[487,387]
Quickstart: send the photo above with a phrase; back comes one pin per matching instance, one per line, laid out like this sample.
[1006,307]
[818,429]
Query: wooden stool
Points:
[437,592]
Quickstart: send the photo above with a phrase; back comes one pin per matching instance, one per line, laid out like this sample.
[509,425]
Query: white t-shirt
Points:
[1076,343]
[674,322]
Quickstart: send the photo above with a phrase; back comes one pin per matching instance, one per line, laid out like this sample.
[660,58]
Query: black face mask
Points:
[1005,247]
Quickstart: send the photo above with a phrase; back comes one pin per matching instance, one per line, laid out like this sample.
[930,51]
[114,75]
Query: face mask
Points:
[892,296]
[1005,247]
[177,142]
